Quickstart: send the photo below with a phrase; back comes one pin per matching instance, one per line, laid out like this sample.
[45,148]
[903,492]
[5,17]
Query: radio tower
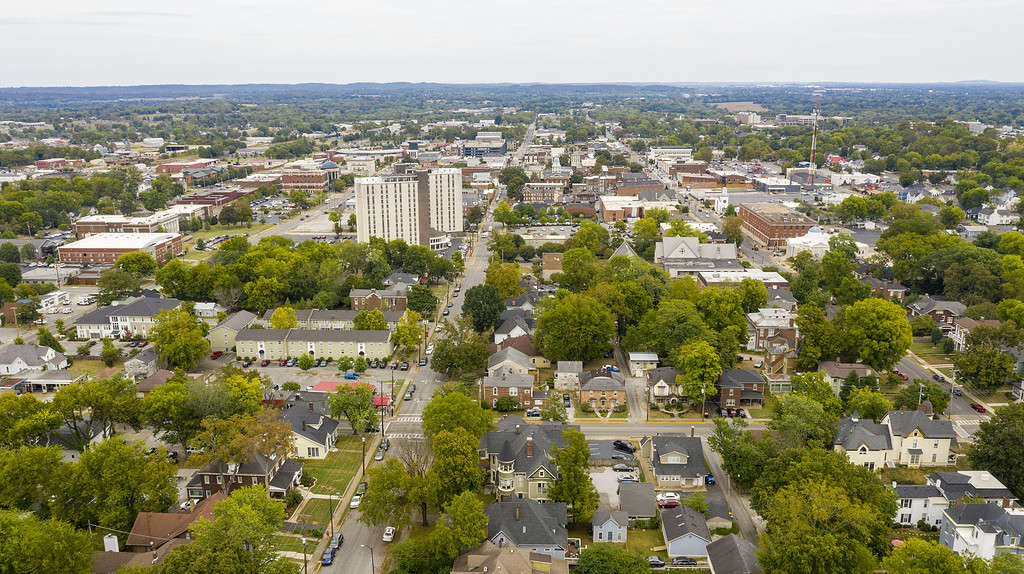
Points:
[814,143]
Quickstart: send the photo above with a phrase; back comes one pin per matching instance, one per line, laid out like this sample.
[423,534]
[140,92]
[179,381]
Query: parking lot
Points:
[603,450]
[606,481]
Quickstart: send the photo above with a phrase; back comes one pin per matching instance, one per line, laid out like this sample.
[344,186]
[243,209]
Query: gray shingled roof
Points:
[683,520]
[691,446]
[509,354]
[141,307]
[237,321]
[733,555]
[988,517]
[667,374]
[603,515]
[545,435]
[506,378]
[916,490]
[602,380]
[32,355]
[851,434]
[637,499]
[903,423]
[737,377]
[537,524]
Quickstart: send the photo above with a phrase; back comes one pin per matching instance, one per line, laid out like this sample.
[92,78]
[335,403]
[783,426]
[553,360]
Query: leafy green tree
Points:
[28,252]
[92,407]
[815,387]
[877,332]
[868,404]
[306,362]
[168,409]
[919,556]
[360,365]
[240,538]
[732,227]
[1001,564]
[699,368]
[179,340]
[606,558]
[799,421]
[355,402]
[579,270]
[984,367]
[115,283]
[573,484]
[951,216]
[506,404]
[453,411]
[753,295]
[386,495]
[109,353]
[284,318]
[505,278]
[9,253]
[466,520]
[921,389]
[422,300]
[24,419]
[408,332]
[460,349]
[370,321]
[46,339]
[484,305]
[456,466]
[112,482]
[138,264]
[236,440]
[663,330]
[32,545]
[573,327]
[554,410]
[30,475]
[697,502]
[996,450]
[815,528]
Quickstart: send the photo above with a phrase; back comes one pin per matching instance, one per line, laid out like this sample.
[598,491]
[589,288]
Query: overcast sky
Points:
[107,42]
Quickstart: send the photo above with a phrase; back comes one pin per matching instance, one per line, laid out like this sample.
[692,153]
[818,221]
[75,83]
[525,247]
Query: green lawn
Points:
[930,353]
[643,540]
[230,229]
[285,543]
[317,511]
[333,473]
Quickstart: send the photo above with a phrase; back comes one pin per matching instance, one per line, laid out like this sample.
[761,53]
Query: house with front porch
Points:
[661,384]
[517,457]
[602,389]
[740,388]
[678,462]
[908,438]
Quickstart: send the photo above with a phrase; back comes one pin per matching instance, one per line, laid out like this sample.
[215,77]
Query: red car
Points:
[668,503]
[216,354]
[978,407]
[902,376]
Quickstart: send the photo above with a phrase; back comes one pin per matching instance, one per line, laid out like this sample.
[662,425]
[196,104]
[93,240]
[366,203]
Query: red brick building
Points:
[771,224]
[105,248]
[305,180]
[384,299]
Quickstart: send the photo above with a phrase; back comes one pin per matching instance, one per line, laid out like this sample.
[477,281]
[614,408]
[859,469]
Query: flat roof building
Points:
[771,224]
[105,248]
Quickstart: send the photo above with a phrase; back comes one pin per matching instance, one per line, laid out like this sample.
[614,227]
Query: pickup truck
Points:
[351,375]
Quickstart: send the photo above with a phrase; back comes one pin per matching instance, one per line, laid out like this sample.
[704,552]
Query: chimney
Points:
[303,424]
[1006,502]
[517,429]
[529,446]
[517,512]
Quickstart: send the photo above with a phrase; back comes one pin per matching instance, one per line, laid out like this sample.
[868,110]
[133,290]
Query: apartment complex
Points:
[421,208]
[277,344]
[771,224]
[105,248]
[163,221]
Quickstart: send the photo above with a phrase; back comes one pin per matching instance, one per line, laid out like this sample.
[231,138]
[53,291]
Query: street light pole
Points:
[373,568]
[364,455]
[305,563]
[330,510]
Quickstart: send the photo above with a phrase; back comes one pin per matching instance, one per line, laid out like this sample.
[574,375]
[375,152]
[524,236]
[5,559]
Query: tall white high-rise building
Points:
[422,208]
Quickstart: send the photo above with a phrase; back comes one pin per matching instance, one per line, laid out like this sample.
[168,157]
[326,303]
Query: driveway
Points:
[607,484]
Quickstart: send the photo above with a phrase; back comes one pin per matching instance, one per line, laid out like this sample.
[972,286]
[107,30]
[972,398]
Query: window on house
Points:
[600,535]
[219,480]
[312,451]
[905,503]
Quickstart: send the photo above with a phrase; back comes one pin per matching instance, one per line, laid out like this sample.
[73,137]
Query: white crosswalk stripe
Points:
[409,419]
[408,435]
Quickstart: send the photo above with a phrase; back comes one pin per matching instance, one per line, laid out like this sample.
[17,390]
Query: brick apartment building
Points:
[506,383]
[313,181]
[771,224]
[105,248]
[393,299]
[689,167]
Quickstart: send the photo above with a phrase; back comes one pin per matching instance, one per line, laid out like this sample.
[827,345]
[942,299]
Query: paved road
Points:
[289,225]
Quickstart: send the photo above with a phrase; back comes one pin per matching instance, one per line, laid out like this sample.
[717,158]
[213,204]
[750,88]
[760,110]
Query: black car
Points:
[172,456]
[404,367]
[622,468]
[361,489]
[655,562]
[246,364]
[938,377]
[622,457]
[683,561]
[623,445]
[150,451]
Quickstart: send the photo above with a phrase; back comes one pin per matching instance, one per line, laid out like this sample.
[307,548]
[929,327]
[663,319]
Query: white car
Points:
[668,496]
[355,501]
[389,534]
[66,311]
[430,348]
[628,478]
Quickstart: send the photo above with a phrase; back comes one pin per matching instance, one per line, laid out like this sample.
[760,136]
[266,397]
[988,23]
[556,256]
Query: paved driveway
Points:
[607,484]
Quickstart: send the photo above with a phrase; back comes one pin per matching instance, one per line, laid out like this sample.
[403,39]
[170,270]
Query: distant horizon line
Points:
[675,84]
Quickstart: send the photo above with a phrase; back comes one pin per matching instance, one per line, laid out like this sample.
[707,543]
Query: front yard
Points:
[333,473]
[317,511]
[930,353]
[637,540]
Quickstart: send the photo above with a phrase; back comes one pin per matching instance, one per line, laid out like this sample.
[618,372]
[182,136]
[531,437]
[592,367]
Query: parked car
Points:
[683,561]
[938,377]
[264,363]
[404,367]
[246,364]
[623,445]
[389,534]
[622,457]
[709,479]
[668,503]
[901,375]
[172,456]
[150,451]
[628,478]
[408,397]
[358,498]
[447,312]
[351,375]
[533,412]
[741,413]
[216,354]
[379,455]
[611,368]
[422,362]
[361,488]
[620,467]
[328,558]
[430,348]
[336,541]
[978,407]
[668,496]
[958,392]
[730,412]
[283,362]
[655,562]
[412,387]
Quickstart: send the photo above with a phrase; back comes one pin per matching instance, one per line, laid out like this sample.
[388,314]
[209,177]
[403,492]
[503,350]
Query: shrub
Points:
[585,407]
[506,404]
[292,498]
[291,386]
[620,408]
[307,480]
[655,407]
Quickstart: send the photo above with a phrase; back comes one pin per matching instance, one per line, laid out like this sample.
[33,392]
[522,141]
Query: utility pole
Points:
[364,455]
